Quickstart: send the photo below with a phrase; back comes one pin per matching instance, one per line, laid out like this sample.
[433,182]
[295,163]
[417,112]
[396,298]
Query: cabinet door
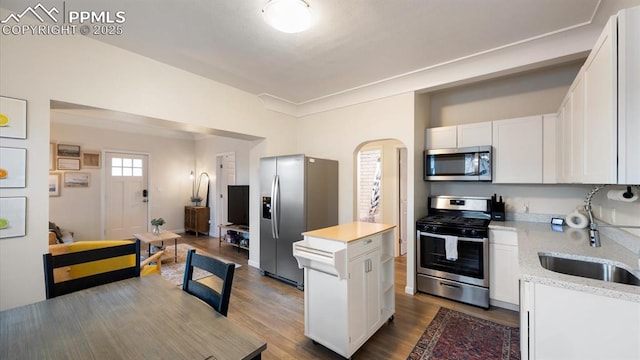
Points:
[628,104]
[600,116]
[504,273]
[568,324]
[357,299]
[549,150]
[576,135]
[373,291]
[444,137]
[517,155]
[478,134]
[364,296]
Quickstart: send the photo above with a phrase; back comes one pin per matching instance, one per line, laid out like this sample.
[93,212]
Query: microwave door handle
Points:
[476,161]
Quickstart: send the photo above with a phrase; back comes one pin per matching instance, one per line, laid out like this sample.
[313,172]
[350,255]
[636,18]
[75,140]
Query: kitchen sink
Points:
[588,269]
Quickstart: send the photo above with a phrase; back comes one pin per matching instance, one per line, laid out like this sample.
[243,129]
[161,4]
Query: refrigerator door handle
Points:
[272,209]
[275,222]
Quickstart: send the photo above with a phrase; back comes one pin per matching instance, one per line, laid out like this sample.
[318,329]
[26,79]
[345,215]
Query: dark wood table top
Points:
[138,318]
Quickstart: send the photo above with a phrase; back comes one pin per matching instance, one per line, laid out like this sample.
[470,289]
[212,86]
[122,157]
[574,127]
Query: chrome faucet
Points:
[594,234]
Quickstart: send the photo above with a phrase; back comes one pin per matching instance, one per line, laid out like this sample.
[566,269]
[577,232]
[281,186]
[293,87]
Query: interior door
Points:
[126,200]
[226,175]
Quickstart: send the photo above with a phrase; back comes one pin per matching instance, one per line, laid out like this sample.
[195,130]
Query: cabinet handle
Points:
[368,241]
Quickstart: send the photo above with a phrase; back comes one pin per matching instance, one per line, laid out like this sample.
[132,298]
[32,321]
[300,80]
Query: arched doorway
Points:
[381,186]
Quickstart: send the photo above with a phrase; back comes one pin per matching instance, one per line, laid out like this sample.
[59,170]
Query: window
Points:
[126,167]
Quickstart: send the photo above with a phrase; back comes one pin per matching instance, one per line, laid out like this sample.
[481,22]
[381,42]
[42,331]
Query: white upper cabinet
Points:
[517,150]
[598,127]
[458,136]
[549,148]
[444,137]
[600,97]
[629,96]
[478,134]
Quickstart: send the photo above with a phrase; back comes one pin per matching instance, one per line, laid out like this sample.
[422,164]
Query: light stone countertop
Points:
[536,237]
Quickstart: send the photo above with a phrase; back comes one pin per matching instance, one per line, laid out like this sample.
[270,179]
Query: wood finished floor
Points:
[274,311]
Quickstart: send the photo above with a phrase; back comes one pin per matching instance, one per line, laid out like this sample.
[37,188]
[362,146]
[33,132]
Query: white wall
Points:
[338,134]
[80,70]
[530,93]
[206,150]
[170,160]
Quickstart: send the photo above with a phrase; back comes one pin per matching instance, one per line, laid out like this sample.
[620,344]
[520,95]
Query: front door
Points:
[126,184]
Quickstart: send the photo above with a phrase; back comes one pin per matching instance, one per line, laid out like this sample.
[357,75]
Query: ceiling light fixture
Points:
[290,16]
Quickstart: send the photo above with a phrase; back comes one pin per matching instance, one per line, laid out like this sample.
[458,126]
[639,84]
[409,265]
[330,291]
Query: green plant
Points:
[157,222]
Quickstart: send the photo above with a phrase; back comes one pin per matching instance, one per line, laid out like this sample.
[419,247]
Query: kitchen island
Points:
[572,317]
[349,283]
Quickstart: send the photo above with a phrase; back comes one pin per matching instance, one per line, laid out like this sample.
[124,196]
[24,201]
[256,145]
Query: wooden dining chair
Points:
[87,264]
[217,300]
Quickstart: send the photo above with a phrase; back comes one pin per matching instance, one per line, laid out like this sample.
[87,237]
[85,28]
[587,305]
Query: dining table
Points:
[137,318]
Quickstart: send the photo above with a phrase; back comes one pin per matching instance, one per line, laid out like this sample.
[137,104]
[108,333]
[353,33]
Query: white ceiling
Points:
[351,44]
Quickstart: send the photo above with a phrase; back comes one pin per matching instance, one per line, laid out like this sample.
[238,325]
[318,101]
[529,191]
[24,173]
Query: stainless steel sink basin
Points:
[588,269]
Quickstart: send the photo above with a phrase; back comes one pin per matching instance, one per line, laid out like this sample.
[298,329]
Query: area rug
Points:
[453,335]
[174,271]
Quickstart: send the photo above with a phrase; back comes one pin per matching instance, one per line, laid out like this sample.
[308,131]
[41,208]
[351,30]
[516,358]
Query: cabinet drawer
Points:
[503,237]
[364,245]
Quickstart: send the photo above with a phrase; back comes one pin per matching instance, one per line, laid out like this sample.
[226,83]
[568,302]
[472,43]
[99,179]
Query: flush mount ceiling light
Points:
[290,16]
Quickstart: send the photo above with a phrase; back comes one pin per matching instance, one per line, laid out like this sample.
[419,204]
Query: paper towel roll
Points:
[577,220]
[618,195]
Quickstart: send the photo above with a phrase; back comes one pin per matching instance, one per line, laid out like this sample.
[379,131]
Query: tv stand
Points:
[237,228]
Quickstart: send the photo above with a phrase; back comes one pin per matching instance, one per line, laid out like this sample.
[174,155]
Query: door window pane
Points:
[126,167]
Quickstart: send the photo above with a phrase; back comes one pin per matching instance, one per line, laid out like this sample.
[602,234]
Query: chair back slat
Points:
[217,300]
[82,258]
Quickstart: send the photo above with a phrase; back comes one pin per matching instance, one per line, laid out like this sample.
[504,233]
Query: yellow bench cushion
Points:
[100,266]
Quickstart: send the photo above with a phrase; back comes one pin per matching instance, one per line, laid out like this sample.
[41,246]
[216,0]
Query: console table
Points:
[236,228]
[196,219]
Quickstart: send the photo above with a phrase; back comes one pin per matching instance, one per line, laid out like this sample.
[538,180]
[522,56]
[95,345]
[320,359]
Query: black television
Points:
[238,205]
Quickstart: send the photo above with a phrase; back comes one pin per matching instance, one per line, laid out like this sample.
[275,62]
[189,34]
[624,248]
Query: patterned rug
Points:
[174,271]
[453,335]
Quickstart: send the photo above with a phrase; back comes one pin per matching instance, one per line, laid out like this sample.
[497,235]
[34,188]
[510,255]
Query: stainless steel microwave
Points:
[461,164]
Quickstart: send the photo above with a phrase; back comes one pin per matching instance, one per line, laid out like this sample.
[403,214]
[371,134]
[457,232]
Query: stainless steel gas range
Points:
[453,249]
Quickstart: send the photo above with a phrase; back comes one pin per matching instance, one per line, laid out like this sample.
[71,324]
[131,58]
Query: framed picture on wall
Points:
[76,179]
[13,118]
[13,167]
[54,184]
[13,217]
[68,164]
[90,160]
[68,151]
[52,156]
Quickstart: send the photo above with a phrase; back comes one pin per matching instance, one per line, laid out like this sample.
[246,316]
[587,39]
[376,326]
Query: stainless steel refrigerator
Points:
[299,194]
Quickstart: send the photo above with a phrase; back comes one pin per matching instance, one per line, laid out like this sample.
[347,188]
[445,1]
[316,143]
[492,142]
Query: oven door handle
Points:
[467,239]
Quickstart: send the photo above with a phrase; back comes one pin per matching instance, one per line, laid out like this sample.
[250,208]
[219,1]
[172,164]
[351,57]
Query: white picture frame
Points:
[68,164]
[13,167]
[76,179]
[54,185]
[13,118]
[13,217]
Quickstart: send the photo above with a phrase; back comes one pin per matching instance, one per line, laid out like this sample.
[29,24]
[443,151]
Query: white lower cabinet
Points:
[504,270]
[563,324]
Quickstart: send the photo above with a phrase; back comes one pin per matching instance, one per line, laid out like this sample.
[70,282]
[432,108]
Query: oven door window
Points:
[470,260]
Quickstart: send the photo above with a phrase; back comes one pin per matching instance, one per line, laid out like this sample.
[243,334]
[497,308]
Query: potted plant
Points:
[196,200]
[156,223]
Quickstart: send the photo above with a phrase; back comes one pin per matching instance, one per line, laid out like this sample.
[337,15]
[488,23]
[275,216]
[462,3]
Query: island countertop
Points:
[349,232]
